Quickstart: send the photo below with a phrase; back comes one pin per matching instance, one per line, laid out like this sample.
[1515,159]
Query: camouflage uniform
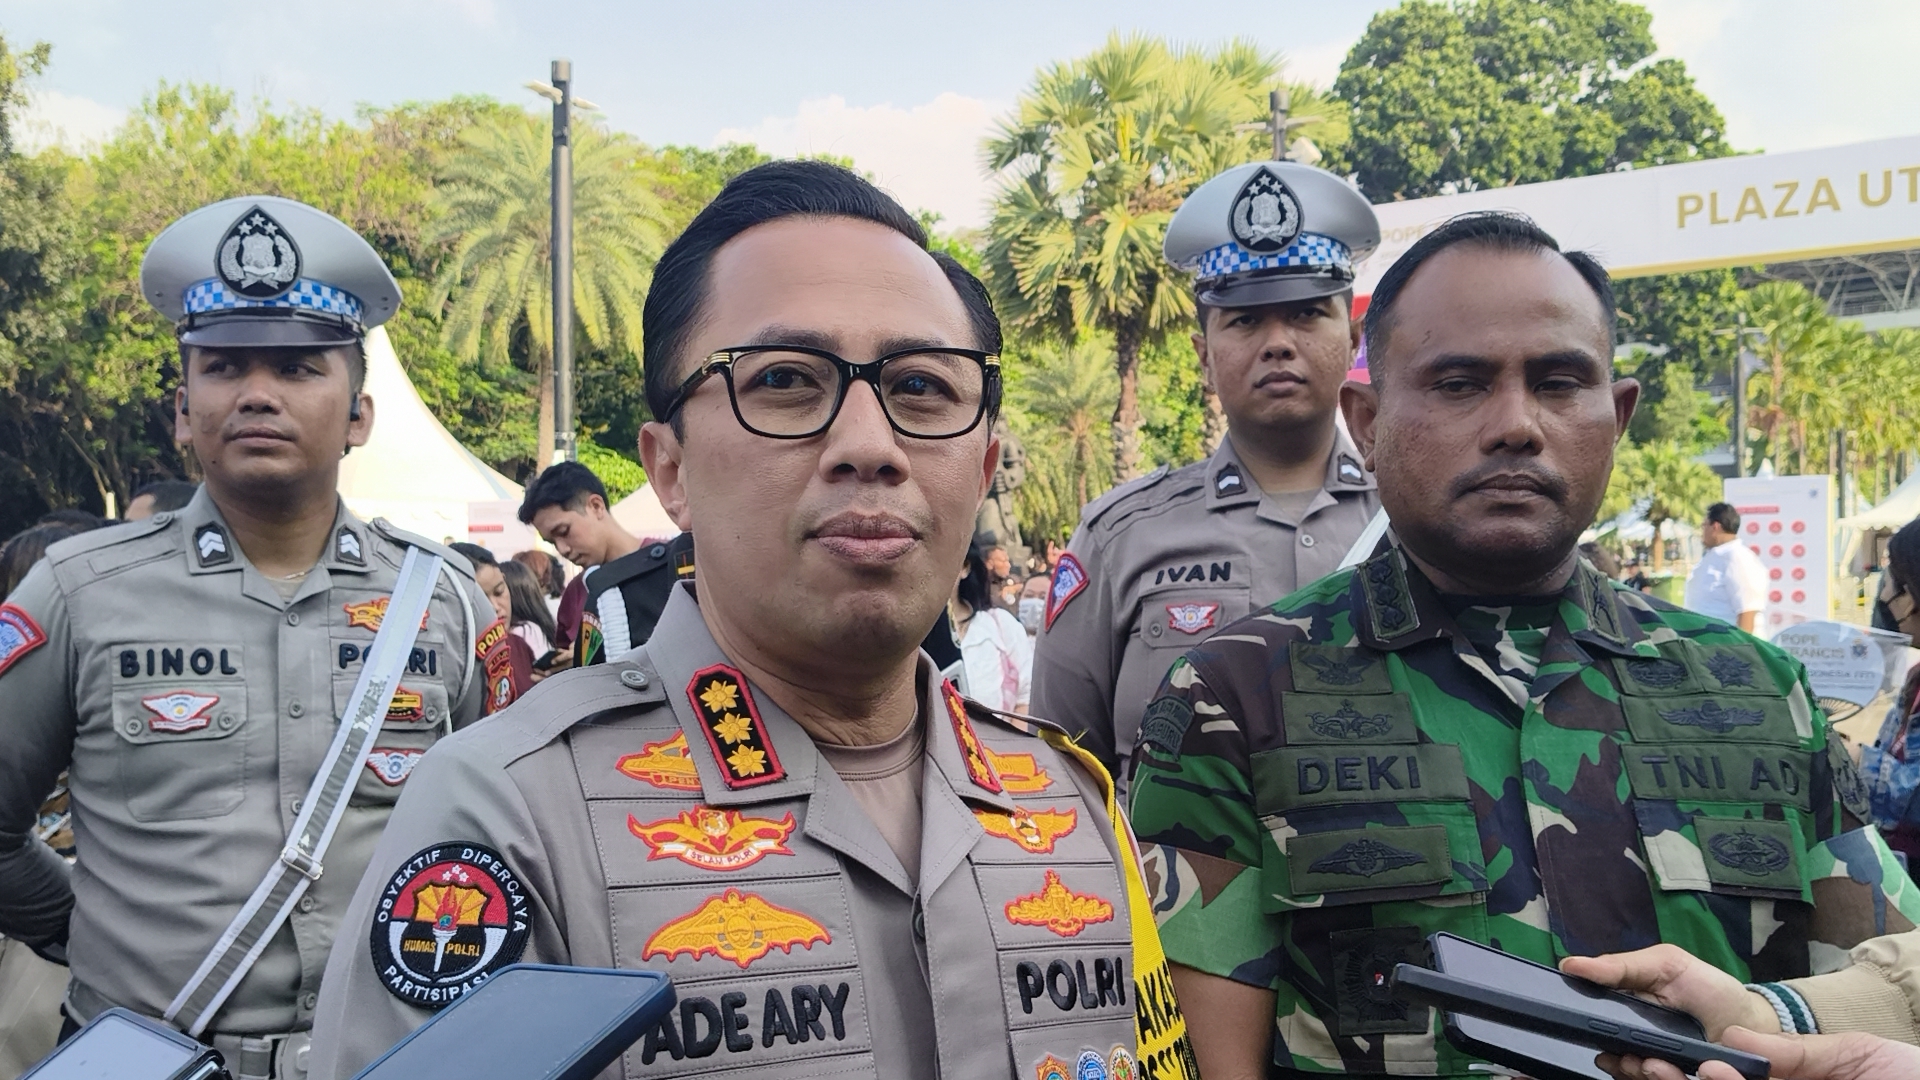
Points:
[1328,781]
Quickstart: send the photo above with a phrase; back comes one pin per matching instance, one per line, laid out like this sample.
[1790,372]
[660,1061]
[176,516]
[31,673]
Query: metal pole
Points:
[1740,397]
[563,426]
[1277,103]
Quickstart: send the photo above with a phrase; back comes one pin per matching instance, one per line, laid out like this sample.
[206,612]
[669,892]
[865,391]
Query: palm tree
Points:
[1798,341]
[1674,486]
[1098,154]
[1060,398]
[493,200]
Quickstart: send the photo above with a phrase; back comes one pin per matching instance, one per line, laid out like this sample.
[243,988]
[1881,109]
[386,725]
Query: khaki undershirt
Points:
[885,781]
[287,587]
[1291,506]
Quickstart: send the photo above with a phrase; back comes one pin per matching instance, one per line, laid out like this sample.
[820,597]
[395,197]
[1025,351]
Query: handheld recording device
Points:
[532,1022]
[123,1045]
[1549,1025]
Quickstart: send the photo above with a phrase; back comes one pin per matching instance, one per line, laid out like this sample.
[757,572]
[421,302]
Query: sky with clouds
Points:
[906,91]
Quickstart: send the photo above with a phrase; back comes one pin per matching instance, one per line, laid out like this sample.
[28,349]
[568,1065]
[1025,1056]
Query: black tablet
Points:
[532,1022]
[123,1045]
[1547,1024]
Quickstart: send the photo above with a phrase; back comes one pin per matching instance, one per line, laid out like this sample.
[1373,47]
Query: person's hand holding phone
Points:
[1671,976]
[1853,1056]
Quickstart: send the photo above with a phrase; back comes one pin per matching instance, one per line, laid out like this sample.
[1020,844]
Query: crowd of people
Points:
[1174,801]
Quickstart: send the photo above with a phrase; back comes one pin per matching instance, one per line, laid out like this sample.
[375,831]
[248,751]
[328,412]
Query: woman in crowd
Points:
[529,617]
[993,645]
[1891,766]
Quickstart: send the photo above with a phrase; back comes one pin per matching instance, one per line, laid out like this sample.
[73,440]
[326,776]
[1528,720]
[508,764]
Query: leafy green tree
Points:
[1670,483]
[1486,93]
[1100,151]
[1059,398]
[493,199]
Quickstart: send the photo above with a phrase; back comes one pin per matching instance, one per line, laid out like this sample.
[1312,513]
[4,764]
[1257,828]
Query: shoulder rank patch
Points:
[179,711]
[1069,578]
[391,765]
[1058,908]
[1019,773]
[1191,618]
[346,547]
[19,635]
[734,729]
[971,752]
[1350,471]
[368,614]
[448,918]
[1228,481]
[737,926]
[713,839]
[663,764]
[210,541]
[1034,830]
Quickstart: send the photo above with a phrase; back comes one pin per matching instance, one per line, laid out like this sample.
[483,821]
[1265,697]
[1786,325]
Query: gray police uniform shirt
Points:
[658,812]
[194,705]
[1161,563]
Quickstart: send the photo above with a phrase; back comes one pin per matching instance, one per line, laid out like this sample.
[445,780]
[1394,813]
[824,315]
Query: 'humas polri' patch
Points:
[449,917]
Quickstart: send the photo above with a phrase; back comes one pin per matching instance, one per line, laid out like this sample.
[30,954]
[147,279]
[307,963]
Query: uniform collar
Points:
[1229,484]
[211,548]
[1397,606]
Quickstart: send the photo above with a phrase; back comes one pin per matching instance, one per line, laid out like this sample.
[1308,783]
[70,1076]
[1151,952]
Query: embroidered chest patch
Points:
[737,926]
[1058,908]
[1019,774]
[713,839]
[733,727]
[368,614]
[1192,618]
[393,766]
[663,764]
[1035,831]
[179,711]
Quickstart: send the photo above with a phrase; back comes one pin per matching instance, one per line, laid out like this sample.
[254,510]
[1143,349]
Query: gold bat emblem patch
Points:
[713,839]
[1058,908]
[663,764]
[367,616]
[737,926]
[1034,831]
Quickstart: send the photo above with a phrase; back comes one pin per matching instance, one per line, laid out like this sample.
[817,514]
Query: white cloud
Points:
[55,119]
[927,156]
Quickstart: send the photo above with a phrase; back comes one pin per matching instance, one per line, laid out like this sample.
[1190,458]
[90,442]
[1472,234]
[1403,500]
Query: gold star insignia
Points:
[720,696]
[746,761]
[734,728]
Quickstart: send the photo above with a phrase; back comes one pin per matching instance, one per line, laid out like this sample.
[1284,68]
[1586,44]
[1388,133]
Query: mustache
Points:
[1526,478]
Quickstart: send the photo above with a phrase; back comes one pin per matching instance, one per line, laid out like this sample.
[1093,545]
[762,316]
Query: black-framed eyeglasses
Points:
[795,392]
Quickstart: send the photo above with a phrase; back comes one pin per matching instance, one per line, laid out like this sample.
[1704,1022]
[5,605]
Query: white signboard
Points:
[1734,211]
[1843,662]
[1787,520]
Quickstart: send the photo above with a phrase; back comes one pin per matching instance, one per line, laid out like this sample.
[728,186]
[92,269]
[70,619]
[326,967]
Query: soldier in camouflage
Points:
[1475,731]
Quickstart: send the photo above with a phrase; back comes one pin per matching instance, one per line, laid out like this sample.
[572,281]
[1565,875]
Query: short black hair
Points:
[766,193]
[72,515]
[1497,229]
[975,589]
[1903,556]
[167,494]
[565,484]
[475,554]
[1725,516]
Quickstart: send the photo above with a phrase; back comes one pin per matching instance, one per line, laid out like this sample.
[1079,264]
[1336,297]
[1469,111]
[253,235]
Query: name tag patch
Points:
[1706,772]
[1291,777]
[1071,985]
[703,1026]
[448,918]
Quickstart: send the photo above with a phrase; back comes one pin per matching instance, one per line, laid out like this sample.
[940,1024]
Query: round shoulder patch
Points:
[448,918]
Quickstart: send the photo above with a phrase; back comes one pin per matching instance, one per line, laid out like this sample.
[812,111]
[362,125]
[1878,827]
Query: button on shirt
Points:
[1728,581]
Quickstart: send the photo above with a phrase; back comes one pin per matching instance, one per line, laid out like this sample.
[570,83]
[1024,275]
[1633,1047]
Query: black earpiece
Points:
[354,412]
[183,404]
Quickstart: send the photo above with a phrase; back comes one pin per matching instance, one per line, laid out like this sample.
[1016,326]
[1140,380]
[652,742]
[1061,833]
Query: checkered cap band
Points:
[1308,250]
[307,295]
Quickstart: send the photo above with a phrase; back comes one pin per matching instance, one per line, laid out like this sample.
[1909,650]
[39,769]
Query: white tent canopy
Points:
[1901,505]
[642,515]
[412,471]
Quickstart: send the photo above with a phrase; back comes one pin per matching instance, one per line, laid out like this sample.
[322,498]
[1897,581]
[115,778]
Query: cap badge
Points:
[257,257]
[1266,215]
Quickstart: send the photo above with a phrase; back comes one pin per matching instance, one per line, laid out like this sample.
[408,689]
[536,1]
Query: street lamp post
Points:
[562,241]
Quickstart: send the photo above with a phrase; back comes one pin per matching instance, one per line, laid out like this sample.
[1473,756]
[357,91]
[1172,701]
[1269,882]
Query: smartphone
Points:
[546,663]
[1549,1025]
[532,1022]
[123,1045]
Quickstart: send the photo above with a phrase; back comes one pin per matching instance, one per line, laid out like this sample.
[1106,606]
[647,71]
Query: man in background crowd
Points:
[1729,582]
[613,606]
[158,497]
[1167,560]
